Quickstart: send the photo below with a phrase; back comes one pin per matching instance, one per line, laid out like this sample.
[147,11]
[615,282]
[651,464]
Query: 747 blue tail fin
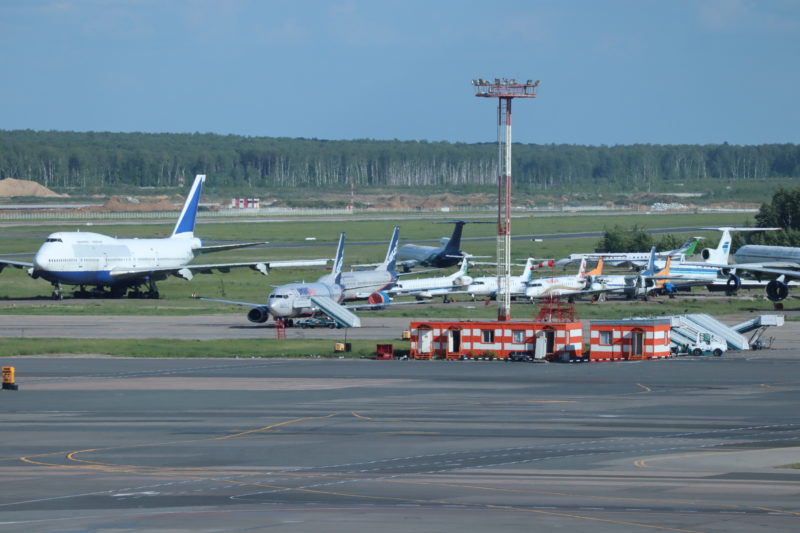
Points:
[185,226]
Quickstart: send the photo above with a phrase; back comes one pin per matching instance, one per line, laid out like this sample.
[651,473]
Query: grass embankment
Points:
[222,348]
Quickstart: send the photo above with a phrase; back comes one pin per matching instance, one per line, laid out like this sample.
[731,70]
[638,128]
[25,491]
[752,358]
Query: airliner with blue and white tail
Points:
[328,294]
[88,259]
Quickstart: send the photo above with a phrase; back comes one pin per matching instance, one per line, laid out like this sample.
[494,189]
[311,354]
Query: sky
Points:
[613,72]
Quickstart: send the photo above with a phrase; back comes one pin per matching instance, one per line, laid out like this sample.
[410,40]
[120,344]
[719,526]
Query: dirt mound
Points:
[10,187]
[127,203]
[433,201]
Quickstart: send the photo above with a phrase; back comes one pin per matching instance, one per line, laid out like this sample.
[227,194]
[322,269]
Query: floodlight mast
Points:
[505,90]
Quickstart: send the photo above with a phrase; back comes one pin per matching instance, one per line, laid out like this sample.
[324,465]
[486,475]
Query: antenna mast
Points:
[504,90]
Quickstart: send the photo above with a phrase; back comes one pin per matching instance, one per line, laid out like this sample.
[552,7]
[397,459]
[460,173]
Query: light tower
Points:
[504,90]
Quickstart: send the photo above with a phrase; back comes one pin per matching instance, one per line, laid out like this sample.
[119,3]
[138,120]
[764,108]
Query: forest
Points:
[70,160]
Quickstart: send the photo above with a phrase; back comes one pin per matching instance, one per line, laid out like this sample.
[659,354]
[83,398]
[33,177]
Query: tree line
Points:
[98,159]
[783,211]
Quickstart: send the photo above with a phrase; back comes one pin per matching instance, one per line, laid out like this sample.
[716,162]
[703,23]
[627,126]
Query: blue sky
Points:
[611,71]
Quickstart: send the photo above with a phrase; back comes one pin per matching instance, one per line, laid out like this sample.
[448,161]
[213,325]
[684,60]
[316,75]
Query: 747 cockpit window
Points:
[53,240]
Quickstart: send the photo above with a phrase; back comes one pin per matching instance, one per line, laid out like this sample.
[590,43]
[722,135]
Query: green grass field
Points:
[247,285]
[238,284]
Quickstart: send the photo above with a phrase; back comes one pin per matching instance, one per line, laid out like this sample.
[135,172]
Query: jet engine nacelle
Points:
[379,297]
[462,281]
[777,290]
[259,315]
[734,283]
[706,254]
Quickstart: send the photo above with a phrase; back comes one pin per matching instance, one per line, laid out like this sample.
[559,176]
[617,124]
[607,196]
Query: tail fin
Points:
[453,246]
[651,263]
[692,248]
[664,272]
[582,269]
[598,270]
[464,267]
[336,270]
[391,254]
[687,248]
[719,255]
[528,272]
[184,228]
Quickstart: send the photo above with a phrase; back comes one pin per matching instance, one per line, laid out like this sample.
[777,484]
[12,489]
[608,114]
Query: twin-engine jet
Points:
[447,254]
[89,259]
[327,294]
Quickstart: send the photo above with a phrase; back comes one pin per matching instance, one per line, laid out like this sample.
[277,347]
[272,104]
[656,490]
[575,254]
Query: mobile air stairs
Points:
[687,332]
[686,329]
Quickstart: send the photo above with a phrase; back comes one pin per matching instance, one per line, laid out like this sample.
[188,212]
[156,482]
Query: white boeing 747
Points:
[90,259]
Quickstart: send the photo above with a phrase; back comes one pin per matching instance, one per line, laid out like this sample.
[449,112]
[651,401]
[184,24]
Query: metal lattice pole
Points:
[505,91]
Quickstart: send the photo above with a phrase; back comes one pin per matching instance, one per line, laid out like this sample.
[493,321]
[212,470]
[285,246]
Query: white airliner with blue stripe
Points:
[88,259]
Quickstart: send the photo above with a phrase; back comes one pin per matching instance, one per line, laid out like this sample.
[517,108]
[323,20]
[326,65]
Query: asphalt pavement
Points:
[692,444]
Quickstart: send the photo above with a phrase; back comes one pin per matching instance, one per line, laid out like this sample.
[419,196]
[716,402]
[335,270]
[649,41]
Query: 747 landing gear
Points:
[57,295]
[153,290]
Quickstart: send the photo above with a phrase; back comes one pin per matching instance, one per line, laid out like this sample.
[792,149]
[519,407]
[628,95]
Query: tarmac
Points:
[689,444]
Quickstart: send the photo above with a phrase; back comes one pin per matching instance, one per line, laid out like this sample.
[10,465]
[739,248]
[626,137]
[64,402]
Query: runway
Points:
[686,445]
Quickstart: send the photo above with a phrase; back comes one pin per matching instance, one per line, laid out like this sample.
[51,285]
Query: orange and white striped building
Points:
[495,340]
[629,340]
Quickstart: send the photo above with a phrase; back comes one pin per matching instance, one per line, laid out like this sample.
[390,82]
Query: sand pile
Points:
[434,201]
[123,203]
[10,187]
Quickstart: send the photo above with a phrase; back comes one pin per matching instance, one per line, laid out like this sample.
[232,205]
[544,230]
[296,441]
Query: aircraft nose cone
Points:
[40,261]
[278,309]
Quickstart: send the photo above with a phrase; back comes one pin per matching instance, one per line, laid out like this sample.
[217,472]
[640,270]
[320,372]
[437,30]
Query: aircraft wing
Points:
[187,271]
[244,304]
[223,247]
[16,264]
[774,268]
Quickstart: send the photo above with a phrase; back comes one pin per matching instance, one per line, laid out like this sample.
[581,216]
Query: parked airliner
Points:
[486,286]
[634,258]
[327,294]
[90,259]
[435,286]
[779,264]
[446,255]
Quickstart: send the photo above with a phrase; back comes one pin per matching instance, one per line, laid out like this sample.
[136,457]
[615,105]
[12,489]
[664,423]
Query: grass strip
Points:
[168,348]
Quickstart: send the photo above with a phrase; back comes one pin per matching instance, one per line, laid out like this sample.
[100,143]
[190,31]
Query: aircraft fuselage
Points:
[85,258]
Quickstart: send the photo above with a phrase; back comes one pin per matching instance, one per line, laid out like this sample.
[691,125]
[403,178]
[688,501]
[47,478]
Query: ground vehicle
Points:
[317,322]
[705,344]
